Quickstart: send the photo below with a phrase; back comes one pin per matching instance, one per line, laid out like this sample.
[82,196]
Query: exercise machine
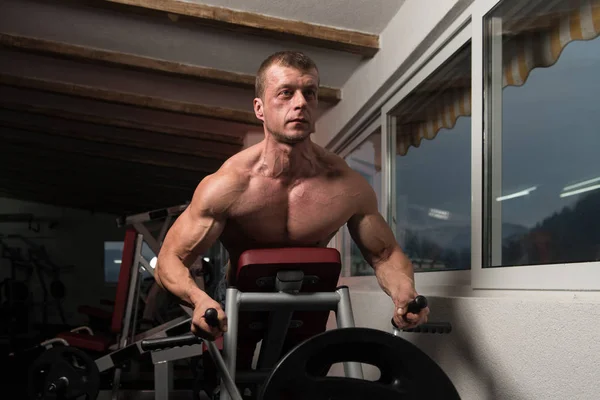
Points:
[284,297]
[65,353]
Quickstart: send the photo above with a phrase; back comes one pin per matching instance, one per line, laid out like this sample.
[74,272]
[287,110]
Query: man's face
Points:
[289,103]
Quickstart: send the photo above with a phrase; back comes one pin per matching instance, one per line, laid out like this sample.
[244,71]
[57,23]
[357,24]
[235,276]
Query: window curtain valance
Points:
[529,42]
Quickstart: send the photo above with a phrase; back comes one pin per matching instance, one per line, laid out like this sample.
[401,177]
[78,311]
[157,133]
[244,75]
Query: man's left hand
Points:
[402,294]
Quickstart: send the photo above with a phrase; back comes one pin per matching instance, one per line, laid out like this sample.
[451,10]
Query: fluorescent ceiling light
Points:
[206,259]
[117,261]
[153,262]
[580,184]
[439,214]
[517,194]
[585,189]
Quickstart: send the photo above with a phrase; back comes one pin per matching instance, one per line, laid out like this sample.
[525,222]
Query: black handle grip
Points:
[212,319]
[174,341]
[414,307]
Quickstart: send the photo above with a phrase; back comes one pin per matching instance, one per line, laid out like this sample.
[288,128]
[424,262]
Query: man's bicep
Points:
[372,235]
[192,233]
[198,226]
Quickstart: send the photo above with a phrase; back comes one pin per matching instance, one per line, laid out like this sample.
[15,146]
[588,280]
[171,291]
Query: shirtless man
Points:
[282,192]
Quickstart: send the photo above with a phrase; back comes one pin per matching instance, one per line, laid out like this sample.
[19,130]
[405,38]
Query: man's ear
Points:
[258,109]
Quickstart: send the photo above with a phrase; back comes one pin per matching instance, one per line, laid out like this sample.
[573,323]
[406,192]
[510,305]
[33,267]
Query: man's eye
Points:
[286,92]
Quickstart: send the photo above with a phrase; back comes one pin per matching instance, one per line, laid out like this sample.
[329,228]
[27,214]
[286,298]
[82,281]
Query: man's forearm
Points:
[174,276]
[392,269]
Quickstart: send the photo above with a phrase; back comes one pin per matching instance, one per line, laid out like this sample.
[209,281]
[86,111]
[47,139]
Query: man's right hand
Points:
[199,325]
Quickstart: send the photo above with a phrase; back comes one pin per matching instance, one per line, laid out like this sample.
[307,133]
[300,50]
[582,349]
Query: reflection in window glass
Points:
[543,178]
[433,168]
[366,159]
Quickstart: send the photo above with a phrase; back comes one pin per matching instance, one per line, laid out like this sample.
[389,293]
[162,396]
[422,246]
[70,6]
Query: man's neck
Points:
[288,161]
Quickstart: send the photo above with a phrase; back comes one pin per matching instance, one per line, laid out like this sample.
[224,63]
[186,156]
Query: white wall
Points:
[505,344]
[77,240]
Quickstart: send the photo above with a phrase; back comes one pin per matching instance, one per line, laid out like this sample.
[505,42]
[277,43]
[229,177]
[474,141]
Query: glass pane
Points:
[113,251]
[543,175]
[433,168]
[366,159]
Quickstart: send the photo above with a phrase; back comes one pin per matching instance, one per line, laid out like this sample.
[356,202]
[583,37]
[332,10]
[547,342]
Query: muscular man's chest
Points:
[305,214]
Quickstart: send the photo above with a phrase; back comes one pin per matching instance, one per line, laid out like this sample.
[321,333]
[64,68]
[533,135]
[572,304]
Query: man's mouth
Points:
[301,120]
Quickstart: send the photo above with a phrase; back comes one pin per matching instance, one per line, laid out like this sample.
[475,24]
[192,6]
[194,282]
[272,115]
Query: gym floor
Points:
[149,395]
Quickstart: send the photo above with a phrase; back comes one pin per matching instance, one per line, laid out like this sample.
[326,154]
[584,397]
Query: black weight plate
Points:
[64,361]
[405,371]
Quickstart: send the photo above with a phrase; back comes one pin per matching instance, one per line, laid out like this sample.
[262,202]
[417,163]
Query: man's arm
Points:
[376,241]
[194,232]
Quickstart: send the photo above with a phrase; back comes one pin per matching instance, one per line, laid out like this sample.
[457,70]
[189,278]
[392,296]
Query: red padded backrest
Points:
[324,263]
[258,263]
[124,277]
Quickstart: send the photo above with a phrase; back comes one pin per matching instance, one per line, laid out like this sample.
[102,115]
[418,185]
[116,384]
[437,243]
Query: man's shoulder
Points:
[336,166]
[221,189]
[352,180]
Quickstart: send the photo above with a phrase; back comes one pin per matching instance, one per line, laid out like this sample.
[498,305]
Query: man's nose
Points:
[299,100]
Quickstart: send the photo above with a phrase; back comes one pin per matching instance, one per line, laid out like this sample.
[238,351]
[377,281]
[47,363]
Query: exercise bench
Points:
[281,297]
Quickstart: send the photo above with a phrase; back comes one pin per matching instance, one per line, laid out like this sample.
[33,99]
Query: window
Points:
[542,169]
[432,168]
[366,159]
[113,252]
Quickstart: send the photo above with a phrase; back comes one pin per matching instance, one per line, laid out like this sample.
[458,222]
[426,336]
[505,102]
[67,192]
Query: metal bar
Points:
[116,384]
[227,380]
[230,337]
[389,194]
[164,229]
[494,148]
[163,379]
[270,351]
[136,306]
[151,215]
[287,301]
[150,240]
[132,288]
[345,319]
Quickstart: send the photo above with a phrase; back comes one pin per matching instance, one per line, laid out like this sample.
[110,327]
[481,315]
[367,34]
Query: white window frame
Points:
[458,35]
[434,282]
[558,277]
[572,276]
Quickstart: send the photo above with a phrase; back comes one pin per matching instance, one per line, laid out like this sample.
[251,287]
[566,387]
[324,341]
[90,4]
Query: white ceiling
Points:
[370,16]
[161,37]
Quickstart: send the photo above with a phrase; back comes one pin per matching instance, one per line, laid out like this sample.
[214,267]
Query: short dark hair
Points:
[293,59]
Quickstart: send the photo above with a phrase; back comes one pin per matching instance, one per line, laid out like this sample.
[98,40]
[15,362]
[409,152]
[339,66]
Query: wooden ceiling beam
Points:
[78,190]
[86,189]
[25,170]
[20,134]
[117,136]
[94,204]
[142,63]
[40,157]
[243,22]
[231,141]
[130,99]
